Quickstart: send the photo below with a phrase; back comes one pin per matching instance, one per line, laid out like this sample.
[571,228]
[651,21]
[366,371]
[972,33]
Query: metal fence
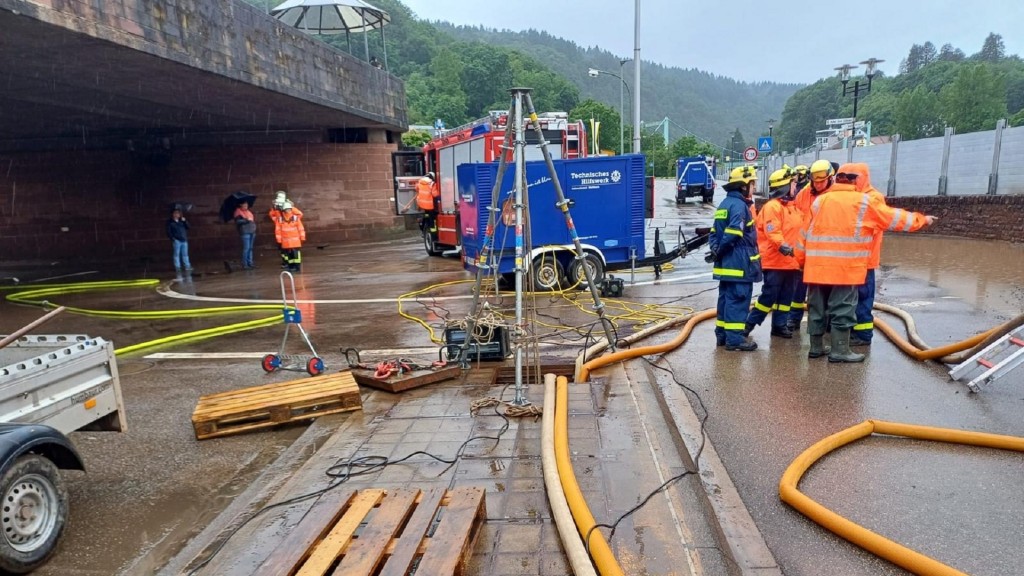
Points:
[990,162]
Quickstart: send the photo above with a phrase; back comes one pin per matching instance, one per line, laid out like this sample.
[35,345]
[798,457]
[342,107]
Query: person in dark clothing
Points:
[177,231]
[246,223]
[737,262]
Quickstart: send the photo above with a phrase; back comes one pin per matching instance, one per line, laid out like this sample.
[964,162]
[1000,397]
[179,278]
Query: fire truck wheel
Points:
[548,274]
[429,244]
[578,278]
[36,512]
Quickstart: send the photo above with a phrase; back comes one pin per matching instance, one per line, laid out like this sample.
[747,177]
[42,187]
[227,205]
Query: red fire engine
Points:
[479,141]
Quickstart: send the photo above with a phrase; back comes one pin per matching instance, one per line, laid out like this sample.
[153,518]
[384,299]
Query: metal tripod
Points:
[516,122]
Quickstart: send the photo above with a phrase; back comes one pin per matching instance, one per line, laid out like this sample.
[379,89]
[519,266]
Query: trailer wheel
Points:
[35,512]
[709,196]
[547,273]
[577,277]
[271,362]
[429,245]
[315,366]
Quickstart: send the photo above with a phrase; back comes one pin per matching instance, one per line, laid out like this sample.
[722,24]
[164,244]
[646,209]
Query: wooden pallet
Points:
[382,533]
[413,379]
[265,406]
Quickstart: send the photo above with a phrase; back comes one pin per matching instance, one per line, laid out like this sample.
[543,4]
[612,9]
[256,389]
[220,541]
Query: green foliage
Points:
[934,89]
[917,114]
[975,99]
[415,138]
[1017,119]
[736,144]
[606,115]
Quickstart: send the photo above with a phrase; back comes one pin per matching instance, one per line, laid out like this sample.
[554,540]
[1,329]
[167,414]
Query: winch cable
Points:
[37,295]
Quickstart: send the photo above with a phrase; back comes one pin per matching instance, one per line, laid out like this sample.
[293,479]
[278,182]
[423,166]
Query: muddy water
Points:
[989,275]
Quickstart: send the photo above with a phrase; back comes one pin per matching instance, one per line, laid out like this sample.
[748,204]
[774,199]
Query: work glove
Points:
[711,256]
[786,250]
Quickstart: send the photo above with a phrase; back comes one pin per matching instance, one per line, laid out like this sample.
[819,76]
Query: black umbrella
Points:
[227,209]
[182,206]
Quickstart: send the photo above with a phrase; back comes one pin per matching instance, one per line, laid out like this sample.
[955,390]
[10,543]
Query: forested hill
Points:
[934,88]
[710,106]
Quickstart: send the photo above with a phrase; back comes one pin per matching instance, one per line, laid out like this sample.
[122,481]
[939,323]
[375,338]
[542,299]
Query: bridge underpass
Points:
[111,111]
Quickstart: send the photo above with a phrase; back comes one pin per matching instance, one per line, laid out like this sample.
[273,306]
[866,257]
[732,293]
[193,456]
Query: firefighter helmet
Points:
[431,175]
[800,170]
[743,175]
[287,206]
[781,177]
[822,172]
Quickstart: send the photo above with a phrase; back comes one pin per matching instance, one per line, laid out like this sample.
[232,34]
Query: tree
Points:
[606,115]
[975,99]
[415,138]
[737,143]
[993,50]
[690,146]
[1017,119]
[950,54]
[916,114]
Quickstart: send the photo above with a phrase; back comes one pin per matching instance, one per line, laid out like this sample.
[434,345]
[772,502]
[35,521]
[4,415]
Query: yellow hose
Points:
[601,553]
[931,353]
[871,541]
[584,372]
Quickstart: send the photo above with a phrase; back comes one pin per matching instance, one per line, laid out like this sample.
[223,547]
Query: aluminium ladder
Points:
[993,362]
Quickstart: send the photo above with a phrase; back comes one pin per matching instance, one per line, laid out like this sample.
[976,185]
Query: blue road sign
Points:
[764,144]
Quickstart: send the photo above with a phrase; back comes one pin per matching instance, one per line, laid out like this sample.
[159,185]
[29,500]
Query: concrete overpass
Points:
[109,111]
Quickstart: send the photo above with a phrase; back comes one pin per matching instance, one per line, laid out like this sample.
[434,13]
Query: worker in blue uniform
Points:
[737,263]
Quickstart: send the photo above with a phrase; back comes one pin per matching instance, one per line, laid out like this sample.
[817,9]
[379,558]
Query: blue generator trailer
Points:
[606,201]
[695,176]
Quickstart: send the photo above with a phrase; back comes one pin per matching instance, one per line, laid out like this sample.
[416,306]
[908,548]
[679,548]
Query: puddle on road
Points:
[988,275]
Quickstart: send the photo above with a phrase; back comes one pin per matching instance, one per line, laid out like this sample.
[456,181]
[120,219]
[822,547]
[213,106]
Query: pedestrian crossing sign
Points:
[764,144]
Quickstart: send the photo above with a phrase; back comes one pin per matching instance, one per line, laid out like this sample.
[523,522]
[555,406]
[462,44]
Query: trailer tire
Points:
[708,197]
[429,245]
[578,278]
[547,272]
[32,485]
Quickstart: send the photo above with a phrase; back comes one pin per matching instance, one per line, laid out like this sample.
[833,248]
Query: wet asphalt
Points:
[150,490]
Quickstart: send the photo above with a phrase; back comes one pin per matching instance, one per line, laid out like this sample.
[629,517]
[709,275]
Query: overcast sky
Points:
[782,41]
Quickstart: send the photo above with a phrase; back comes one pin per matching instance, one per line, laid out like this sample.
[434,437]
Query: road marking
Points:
[167,291]
[363,354]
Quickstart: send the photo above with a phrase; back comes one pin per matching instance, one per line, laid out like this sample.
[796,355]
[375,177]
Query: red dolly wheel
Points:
[271,362]
[314,366]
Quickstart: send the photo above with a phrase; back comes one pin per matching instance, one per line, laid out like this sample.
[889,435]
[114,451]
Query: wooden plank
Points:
[207,413]
[268,406]
[334,544]
[218,428]
[413,379]
[455,533]
[295,390]
[367,552]
[328,379]
[313,527]
[408,543]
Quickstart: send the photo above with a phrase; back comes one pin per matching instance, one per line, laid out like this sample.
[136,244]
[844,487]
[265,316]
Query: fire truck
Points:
[476,142]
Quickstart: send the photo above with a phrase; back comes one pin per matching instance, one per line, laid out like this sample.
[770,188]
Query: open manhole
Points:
[506,375]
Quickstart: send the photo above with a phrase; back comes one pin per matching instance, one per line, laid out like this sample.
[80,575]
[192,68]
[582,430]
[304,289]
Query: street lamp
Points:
[844,76]
[594,73]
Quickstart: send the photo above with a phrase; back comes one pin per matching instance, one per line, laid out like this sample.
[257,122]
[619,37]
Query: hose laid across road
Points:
[579,560]
[875,543]
[949,354]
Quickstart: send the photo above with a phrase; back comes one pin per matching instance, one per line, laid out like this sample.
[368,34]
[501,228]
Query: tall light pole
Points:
[764,179]
[844,76]
[636,80]
[594,73]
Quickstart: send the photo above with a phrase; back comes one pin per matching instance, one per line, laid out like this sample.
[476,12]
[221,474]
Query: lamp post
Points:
[594,73]
[857,90]
[764,179]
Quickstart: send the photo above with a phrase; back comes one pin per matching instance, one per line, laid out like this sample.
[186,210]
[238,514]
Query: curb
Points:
[737,534]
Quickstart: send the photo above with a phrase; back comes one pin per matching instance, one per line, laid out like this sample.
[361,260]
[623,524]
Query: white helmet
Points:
[280,198]
[287,205]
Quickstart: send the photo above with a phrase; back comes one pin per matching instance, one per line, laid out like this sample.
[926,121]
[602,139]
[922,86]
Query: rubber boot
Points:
[748,329]
[748,345]
[818,348]
[841,348]
[782,332]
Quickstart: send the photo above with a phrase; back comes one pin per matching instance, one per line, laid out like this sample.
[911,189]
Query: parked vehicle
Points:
[695,176]
[49,387]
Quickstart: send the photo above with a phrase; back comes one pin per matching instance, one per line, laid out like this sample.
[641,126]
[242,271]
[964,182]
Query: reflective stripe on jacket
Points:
[277,216]
[426,192]
[735,240]
[836,243]
[777,223]
[290,232]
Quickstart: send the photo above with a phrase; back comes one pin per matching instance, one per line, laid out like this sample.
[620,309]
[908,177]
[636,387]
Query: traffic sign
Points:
[750,154]
[764,144]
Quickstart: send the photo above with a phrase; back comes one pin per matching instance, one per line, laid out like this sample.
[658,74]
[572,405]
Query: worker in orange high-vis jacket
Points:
[817,180]
[859,175]
[428,200]
[276,214]
[834,251]
[290,235]
[778,230]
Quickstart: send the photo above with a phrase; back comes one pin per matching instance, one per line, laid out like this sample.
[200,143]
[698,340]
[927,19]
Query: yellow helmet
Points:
[743,175]
[821,166]
[781,177]
[800,170]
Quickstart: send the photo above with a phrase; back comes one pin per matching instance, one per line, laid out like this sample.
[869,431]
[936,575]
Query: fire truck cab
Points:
[479,141]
